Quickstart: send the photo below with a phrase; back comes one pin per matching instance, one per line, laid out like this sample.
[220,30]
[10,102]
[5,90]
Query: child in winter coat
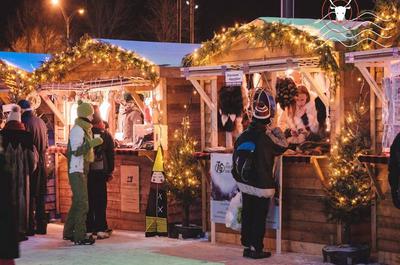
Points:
[80,155]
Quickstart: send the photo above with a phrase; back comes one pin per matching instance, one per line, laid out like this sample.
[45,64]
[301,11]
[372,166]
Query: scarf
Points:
[85,124]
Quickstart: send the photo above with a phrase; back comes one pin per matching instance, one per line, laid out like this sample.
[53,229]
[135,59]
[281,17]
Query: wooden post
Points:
[339,233]
[372,83]
[202,121]
[228,140]
[373,225]
[204,195]
[213,233]
[374,180]
[316,87]
[53,108]
[214,114]
[57,179]
[315,164]
[372,114]
[203,94]
[279,231]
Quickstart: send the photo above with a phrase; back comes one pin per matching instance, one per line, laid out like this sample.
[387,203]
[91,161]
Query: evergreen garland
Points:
[386,28]
[273,36]
[22,83]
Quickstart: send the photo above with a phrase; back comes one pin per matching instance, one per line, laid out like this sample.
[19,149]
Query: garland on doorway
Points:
[87,49]
[273,36]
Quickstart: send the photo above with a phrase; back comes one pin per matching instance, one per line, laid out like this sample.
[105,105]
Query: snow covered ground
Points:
[133,248]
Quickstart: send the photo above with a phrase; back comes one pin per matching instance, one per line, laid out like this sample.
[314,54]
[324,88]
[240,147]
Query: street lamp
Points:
[67,18]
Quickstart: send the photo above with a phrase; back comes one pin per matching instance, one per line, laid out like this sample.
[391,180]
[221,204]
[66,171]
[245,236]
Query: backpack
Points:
[244,158]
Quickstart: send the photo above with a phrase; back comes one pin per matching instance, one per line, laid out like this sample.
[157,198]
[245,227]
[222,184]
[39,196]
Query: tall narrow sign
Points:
[130,189]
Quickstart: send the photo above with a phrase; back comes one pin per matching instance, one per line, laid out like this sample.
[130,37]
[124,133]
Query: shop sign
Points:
[234,77]
[130,189]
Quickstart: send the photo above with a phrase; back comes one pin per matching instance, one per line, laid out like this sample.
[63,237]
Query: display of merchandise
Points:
[391,114]
[230,107]
[286,90]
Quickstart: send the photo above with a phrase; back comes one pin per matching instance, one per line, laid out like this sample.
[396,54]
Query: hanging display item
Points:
[230,107]
[156,212]
[390,113]
[286,90]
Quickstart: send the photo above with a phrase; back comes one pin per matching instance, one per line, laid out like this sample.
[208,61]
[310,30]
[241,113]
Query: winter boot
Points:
[86,241]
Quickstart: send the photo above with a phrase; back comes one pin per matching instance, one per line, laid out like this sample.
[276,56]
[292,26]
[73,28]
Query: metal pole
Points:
[180,20]
[287,8]
[191,6]
[177,20]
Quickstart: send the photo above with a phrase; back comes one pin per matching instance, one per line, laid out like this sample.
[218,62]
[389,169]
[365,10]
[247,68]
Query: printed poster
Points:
[224,188]
[130,189]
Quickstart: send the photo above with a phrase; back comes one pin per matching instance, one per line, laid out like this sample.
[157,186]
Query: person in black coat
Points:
[394,171]
[18,158]
[259,187]
[100,173]
[37,127]
[9,246]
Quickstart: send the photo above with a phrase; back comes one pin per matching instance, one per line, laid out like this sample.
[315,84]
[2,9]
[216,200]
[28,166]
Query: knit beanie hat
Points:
[84,109]
[15,114]
[263,104]
[25,105]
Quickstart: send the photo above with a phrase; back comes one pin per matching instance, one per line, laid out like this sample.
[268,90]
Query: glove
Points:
[304,118]
[95,142]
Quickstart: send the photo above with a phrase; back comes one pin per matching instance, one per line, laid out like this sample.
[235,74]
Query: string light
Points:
[183,175]
[22,83]
[271,35]
[349,189]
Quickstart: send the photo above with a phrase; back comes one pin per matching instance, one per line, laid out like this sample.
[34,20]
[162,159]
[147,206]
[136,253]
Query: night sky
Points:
[212,14]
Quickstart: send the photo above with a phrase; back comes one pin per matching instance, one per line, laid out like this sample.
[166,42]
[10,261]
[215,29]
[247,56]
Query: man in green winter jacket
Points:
[80,155]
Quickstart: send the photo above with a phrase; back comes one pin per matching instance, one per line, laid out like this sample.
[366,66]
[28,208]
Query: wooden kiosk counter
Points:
[290,50]
[256,54]
[126,203]
[102,73]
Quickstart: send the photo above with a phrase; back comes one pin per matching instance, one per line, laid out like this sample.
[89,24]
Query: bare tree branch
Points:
[109,18]
[162,23]
[32,31]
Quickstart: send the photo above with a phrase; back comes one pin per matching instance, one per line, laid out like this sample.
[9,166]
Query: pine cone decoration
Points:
[286,90]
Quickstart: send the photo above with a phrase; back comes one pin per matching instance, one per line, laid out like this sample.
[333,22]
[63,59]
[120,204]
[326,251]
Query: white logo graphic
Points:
[347,19]
[340,11]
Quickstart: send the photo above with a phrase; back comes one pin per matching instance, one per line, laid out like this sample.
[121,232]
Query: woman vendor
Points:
[299,120]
